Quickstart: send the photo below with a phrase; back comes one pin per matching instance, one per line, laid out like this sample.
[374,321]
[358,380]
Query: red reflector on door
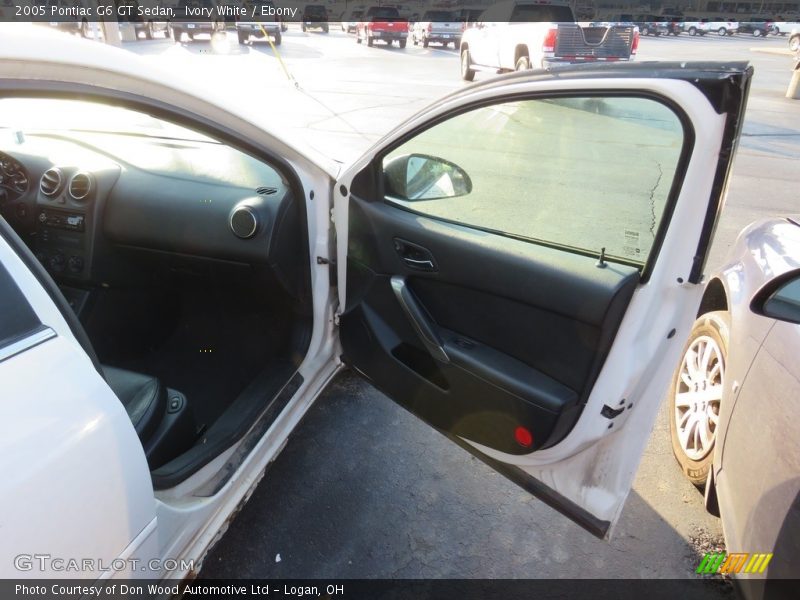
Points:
[523,437]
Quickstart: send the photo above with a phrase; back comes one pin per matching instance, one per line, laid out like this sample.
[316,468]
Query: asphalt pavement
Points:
[362,488]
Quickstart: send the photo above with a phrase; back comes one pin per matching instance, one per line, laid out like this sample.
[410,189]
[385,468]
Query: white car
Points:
[180,281]
[704,26]
[785,27]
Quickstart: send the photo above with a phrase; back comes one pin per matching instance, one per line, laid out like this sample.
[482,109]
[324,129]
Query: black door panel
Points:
[523,328]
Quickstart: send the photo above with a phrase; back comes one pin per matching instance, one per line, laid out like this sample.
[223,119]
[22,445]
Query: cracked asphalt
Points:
[363,489]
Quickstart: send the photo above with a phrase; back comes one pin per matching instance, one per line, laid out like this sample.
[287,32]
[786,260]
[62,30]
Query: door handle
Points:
[415,256]
[419,321]
[423,264]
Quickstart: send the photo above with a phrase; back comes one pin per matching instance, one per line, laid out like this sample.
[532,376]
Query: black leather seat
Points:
[143,397]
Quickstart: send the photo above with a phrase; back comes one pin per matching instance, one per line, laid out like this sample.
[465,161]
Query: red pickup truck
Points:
[382,23]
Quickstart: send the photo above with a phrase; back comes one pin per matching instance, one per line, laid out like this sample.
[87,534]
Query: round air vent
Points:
[80,185]
[244,222]
[51,182]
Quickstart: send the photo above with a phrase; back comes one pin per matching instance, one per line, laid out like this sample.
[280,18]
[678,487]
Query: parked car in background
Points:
[382,23]
[315,16]
[647,24]
[350,19]
[694,28]
[674,24]
[72,24]
[782,27]
[439,27]
[186,24]
[148,28]
[735,396]
[794,40]
[704,26]
[469,15]
[651,25]
[521,34]
[756,27]
[266,26]
[721,26]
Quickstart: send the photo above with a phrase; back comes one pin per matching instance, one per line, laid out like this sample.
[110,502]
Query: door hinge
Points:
[333,273]
[336,317]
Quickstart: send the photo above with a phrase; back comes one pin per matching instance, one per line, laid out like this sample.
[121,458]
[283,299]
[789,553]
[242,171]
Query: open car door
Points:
[521,262]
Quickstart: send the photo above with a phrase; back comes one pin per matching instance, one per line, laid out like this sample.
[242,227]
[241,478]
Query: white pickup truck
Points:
[437,26]
[521,34]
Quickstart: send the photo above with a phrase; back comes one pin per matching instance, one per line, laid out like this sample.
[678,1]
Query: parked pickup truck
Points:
[437,26]
[382,23]
[520,34]
[266,25]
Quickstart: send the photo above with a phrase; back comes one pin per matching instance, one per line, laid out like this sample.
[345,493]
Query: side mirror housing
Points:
[779,298]
[424,177]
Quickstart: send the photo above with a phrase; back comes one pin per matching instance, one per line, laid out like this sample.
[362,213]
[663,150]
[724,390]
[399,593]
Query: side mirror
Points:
[779,298]
[423,177]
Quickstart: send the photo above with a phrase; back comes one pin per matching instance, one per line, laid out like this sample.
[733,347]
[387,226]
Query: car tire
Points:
[370,41]
[358,37]
[692,31]
[324,30]
[523,63]
[278,38]
[693,410]
[467,73]
[177,34]
[794,43]
[414,41]
[757,33]
[402,43]
[722,32]
[425,42]
[242,37]
[645,31]
[302,28]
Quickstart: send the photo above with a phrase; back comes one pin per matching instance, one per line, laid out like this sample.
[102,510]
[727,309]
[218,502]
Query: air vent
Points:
[80,185]
[51,181]
[266,191]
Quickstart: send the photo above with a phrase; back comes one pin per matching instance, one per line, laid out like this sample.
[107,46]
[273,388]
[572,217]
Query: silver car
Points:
[735,398]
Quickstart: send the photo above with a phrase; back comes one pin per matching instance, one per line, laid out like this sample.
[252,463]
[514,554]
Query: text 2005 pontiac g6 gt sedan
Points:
[179,282]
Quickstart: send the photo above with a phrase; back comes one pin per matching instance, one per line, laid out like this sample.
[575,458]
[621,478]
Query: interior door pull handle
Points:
[419,264]
[414,256]
[420,322]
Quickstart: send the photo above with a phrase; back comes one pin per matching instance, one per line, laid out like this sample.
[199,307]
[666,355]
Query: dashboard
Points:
[79,199]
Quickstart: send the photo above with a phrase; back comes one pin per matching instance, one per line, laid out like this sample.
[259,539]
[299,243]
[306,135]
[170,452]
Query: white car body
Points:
[76,483]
